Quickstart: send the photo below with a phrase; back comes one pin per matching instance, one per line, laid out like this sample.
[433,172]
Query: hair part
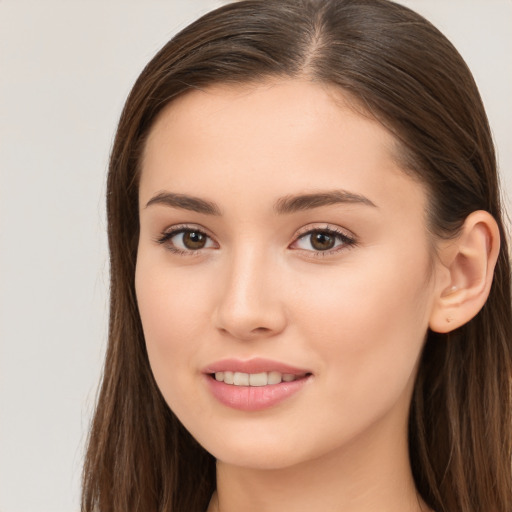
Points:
[406,74]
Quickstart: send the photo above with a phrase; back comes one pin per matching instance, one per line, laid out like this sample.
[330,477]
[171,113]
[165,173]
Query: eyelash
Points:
[165,239]
[346,240]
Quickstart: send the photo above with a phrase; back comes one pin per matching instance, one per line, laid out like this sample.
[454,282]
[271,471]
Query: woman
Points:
[310,302]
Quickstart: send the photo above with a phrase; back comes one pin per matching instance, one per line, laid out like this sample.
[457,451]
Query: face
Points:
[284,276]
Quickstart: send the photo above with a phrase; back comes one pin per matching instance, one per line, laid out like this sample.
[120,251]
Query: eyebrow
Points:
[185,202]
[284,205]
[295,203]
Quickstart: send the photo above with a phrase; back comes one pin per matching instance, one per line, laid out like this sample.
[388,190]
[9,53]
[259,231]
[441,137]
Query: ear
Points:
[467,271]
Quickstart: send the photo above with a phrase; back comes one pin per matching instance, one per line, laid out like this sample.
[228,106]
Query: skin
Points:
[355,317]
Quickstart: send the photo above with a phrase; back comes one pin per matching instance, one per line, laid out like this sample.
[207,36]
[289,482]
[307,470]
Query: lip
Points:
[255,365]
[254,398]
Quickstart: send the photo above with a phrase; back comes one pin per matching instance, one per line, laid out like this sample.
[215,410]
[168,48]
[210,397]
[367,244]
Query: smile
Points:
[255,379]
[256,384]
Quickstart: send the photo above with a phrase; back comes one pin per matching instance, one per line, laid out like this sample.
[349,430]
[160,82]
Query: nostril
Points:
[261,330]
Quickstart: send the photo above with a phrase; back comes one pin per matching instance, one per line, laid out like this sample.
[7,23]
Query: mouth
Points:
[256,384]
[271,378]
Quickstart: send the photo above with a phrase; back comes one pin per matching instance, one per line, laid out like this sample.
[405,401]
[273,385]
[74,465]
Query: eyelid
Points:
[349,240]
[324,226]
[174,228]
[165,236]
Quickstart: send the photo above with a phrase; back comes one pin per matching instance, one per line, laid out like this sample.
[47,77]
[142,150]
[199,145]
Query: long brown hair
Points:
[407,75]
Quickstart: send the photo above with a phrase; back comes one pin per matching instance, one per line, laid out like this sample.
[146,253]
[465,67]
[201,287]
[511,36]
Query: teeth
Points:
[241,379]
[258,379]
[255,379]
[274,377]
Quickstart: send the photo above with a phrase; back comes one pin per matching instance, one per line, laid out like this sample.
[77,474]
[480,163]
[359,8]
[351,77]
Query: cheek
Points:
[172,313]
[369,322]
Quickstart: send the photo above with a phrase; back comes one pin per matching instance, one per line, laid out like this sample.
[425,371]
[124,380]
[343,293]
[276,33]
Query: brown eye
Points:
[194,240]
[322,241]
[186,240]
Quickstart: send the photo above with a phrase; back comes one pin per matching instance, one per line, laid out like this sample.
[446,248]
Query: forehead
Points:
[300,106]
[271,138]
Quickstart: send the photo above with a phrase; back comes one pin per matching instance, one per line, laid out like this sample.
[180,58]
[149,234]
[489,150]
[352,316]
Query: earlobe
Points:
[469,261]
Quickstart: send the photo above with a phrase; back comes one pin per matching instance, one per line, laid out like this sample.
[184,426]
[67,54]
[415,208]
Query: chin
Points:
[258,457]
[254,447]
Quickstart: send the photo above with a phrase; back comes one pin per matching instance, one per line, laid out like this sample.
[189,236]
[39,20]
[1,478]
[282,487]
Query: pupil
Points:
[322,241]
[194,240]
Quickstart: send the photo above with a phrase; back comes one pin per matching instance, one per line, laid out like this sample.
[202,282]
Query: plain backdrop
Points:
[65,70]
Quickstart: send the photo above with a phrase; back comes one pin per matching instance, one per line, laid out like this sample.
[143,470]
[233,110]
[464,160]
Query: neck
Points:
[372,474]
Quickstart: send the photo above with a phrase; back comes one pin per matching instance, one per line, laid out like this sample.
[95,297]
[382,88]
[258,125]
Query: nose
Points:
[249,302]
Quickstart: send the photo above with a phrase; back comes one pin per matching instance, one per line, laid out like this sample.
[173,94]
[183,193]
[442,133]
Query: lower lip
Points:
[254,398]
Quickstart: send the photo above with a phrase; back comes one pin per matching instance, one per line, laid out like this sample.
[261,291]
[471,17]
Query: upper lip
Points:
[255,365]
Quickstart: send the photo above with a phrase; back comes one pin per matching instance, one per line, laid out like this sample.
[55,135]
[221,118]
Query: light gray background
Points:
[65,69]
